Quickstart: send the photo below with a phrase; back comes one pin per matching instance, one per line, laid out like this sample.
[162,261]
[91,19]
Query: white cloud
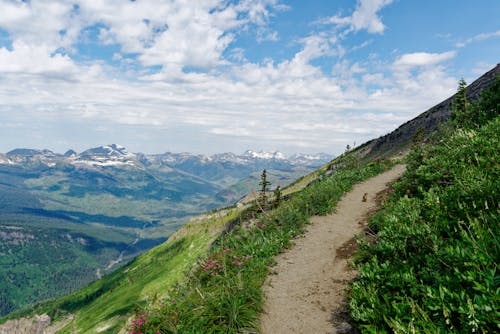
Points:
[26,58]
[174,34]
[291,103]
[264,35]
[423,58]
[47,22]
[482,67]
[478,37]
[364,17]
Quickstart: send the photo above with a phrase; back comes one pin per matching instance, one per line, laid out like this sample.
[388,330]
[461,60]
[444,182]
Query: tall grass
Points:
[224,291]
[434,265]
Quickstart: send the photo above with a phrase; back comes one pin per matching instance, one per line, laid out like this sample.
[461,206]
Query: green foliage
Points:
[277,197]
[460,104]
[264,183]
[434,266]
[110,301]
[223,294]
[473,116]
[42,263]
[418,137]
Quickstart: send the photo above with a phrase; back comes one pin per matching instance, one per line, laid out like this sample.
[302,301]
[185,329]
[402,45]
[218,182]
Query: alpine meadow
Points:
[249,166]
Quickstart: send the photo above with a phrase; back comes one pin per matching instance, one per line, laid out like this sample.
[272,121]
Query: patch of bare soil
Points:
[307,294]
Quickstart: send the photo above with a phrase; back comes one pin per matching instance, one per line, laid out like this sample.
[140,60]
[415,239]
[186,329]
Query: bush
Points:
[434,267]
[224,292]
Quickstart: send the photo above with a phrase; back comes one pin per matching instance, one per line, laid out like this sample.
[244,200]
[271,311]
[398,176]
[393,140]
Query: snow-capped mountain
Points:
[70,154]
[4,160]
[112,150]
[264,155]
[114,155]
[248,158]
[108,155]
[25,156]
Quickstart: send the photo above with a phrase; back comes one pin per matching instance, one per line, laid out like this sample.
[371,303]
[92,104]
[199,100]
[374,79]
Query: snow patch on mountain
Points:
[105,156]
[265,155]
[114,155]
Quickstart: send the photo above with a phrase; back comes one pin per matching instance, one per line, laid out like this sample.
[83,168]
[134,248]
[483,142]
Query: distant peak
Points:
[112,150]
[264,155]
[29,152]
[70,153]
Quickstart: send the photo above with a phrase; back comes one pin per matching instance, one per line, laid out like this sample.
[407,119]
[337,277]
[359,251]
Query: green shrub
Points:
[224,292]
[434,266]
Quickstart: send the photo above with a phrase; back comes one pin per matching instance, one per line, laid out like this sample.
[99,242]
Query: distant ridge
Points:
[429,121]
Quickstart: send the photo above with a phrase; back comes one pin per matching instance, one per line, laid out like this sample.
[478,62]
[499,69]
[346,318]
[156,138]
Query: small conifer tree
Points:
[418,137]
[460,105]
[263,189]
[277,197]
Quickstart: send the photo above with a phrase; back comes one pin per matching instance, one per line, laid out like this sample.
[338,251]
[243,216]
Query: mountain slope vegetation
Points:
[433,267]
[105,305]
[66,220]
[438,271]
[400,140]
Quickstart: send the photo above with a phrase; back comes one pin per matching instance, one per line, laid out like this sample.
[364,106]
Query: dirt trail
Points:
[307,293]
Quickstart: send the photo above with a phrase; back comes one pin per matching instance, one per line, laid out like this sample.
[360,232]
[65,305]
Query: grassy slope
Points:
[223,294]
[108,302]
[434,267]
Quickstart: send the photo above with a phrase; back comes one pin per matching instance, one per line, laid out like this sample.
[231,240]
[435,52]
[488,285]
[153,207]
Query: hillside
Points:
[429,121]
[68,219]
[433,267]
[105,305]
[181,287]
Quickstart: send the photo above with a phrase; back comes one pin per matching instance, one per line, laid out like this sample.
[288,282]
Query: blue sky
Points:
[212,76]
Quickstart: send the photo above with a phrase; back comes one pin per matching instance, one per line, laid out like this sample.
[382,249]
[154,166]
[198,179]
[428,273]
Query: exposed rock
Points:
[36,325]
[428,121]
[39,324]
[343,328]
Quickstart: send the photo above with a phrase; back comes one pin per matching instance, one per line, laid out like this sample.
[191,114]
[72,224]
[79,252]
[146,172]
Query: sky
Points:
[211,76]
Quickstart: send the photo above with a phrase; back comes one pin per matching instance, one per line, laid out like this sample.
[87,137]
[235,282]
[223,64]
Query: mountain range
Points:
[114,179]
[67,219]
[117,155]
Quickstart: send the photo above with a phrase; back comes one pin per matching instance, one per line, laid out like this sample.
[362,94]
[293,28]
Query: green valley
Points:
[67,220]
[429,264]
